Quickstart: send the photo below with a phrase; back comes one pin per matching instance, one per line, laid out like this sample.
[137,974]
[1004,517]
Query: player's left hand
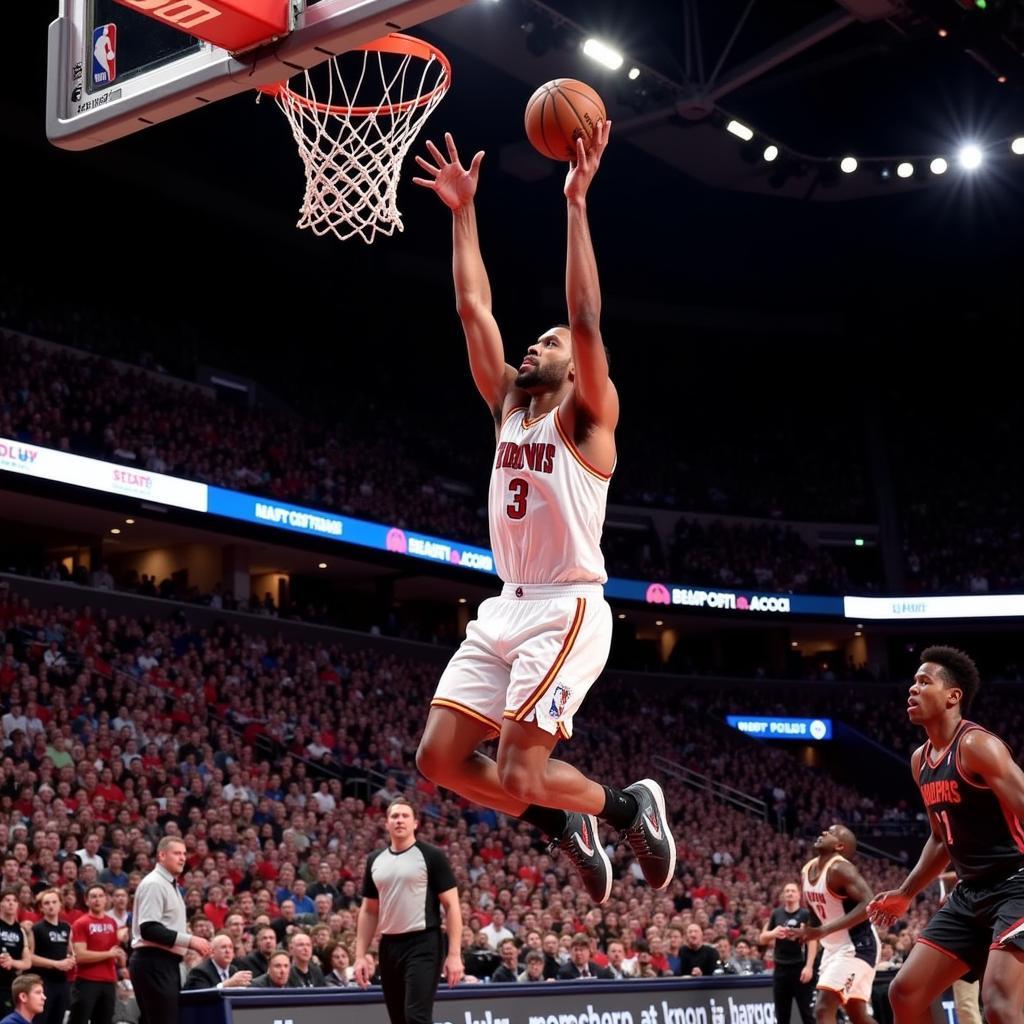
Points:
[584,167]
[453,969]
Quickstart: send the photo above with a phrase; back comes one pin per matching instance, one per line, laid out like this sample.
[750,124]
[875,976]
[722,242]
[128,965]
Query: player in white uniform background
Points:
[532,654]
[837,895]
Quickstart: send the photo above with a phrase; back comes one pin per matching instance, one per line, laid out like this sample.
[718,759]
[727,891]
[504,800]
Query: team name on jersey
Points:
[538,457]
[942,791]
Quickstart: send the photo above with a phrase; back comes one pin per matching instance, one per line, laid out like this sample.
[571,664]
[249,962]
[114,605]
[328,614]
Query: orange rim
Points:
[396,42]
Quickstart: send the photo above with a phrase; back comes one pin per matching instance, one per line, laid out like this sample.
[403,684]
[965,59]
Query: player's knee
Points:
[518,781]
[1000,1008]
[431,761]
[904,997]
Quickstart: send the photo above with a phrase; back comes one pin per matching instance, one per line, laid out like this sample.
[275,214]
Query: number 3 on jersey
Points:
[518,490]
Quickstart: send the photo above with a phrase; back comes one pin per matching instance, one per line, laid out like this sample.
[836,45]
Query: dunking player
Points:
[532,654]
[974,793]
[838,897]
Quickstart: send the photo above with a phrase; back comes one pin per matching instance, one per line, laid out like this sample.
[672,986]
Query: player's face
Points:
[929,697]
[827,841]
[547,360]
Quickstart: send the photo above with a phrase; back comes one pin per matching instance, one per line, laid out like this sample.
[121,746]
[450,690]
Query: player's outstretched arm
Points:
[892,904]
[456,188]
[592,390]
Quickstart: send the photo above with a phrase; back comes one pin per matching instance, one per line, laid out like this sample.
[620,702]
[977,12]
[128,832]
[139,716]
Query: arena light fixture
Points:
[771,153]
[848,164]
[943,33]
[970,157]
[740,130]
[659,622]
[634,74]
[130,522]
[939,165]
[794,643]
[1017,146]
[858,542]
[321,565]
[905,170]
[462,600]
[603,54]
[621,615]
[115,530]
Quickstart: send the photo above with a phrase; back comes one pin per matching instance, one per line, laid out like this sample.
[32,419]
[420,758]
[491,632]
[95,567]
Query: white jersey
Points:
[546,505]
[827,906]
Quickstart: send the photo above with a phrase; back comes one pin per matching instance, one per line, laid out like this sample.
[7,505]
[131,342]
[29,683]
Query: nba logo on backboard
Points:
[104,54]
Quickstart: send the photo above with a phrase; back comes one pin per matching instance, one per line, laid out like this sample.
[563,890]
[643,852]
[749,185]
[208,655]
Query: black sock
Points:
[620,808]
[549,820]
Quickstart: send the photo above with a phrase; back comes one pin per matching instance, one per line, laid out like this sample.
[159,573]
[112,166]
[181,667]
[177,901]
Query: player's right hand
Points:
[200,945]
[362,972]
[888,907]
[453,184]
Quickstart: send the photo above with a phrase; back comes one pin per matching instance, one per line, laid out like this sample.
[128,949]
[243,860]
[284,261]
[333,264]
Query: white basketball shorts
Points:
[530,655]
[846,974]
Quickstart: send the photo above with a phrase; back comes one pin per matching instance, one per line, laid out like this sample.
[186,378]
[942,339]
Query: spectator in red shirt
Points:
[98,954]
[216,907]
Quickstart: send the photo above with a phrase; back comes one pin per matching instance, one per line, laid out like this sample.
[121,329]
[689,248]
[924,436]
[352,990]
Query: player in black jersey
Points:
[974,793]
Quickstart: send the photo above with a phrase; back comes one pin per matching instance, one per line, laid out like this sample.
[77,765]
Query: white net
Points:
[353,154]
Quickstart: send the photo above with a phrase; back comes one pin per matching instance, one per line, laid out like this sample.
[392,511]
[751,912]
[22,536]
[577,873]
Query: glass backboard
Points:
[113,71]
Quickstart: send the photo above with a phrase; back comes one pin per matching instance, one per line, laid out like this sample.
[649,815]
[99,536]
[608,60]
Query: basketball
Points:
[558,113]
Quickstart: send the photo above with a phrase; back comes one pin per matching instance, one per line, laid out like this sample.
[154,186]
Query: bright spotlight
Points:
[848,164]
[970,157]
[634,74]
[596,50]
[740,130]
[1017,146]
[905,170]
[938,165]
[771,153]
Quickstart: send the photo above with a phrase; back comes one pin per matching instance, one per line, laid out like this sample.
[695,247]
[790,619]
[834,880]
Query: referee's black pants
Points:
[156,979]
[787,986]
[410,969]
[92,1001]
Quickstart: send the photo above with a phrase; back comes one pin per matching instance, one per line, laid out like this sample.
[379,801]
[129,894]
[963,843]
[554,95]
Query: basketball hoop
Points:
[352,150]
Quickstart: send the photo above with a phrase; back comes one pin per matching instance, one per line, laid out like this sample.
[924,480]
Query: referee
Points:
[793,977]
[404,888]
[159,938]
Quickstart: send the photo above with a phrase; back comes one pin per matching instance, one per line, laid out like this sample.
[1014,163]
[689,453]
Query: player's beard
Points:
[546,378]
